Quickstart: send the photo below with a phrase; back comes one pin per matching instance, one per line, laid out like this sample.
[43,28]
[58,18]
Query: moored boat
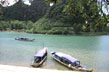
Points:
[39,58]
[70,62]
[24,39]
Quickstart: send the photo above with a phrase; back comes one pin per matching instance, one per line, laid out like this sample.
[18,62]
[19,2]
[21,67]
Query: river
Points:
[92,51]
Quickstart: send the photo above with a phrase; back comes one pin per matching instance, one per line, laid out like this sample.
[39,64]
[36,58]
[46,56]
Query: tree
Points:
[15,12]
[37,10]
[82,11]
[21,11]
[0,11]
[1,3]
[104,3]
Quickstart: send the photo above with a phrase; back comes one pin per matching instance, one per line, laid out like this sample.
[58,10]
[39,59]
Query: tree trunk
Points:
[103,12]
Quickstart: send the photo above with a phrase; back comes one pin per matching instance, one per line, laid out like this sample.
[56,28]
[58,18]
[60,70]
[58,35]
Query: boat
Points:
[70,62]
[24,39]
[39,58]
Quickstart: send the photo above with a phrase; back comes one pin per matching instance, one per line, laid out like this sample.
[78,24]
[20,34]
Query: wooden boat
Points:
[69,62]
[39,58]
[24,39]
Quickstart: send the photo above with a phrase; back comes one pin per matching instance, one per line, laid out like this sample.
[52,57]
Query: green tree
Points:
[21,11]
[37,10]
[82,11]
[0,11]
[104,3]
[15,12]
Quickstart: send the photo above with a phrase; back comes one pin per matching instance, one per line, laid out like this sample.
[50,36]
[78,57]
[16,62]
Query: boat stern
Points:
[35,64]
[86,69]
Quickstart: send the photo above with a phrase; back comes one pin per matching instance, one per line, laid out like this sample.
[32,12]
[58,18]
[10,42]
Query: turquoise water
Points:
[92,51]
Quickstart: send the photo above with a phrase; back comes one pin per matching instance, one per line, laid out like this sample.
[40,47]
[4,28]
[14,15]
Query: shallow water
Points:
[92,51]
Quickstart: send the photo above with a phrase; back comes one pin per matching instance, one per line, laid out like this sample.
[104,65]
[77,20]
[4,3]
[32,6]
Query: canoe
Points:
[24,39]
[39,58]
[70,62]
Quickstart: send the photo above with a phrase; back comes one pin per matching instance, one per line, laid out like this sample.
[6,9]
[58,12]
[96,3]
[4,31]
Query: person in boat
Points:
[69,66]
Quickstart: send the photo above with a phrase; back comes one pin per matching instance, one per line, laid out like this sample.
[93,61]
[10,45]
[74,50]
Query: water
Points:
[92,51]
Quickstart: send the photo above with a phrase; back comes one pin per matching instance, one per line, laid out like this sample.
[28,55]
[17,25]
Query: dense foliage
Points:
[83,15]
[64,17]
[23,12]
[16,25]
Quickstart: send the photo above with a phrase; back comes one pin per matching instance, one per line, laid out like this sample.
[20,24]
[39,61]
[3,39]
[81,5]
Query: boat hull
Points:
[24,40]
[72,68]
[43,56]
[39,64]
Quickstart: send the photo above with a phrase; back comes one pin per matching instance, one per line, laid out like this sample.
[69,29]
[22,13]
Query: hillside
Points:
[64,17]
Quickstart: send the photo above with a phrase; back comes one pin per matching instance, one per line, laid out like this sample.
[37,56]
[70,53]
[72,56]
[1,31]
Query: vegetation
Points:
[22,12]
[64,17]
[15,25]
[47,26]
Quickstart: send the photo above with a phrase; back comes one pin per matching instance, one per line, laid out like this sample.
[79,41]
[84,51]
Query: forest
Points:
[55,16]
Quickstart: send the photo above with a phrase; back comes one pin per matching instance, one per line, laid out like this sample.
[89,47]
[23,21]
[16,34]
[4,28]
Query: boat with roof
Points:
[24,39]
[70,62]
[39,58]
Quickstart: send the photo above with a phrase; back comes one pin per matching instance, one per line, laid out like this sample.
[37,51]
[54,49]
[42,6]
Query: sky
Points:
[11,2]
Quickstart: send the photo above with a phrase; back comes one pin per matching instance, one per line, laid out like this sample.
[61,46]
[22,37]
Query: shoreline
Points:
[73,34]
[10,68]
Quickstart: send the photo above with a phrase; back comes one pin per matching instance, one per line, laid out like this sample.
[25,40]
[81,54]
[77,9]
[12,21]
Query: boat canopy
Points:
[62,55]
[40,53]
[23,37]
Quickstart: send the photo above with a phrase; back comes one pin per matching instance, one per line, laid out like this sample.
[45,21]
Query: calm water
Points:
[92,51]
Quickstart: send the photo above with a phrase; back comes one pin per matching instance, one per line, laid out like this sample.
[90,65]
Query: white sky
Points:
[11,2]
[27,2]
[105,11]
[51,4]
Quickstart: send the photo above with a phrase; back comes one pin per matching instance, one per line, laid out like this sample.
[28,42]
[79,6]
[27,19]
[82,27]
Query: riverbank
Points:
[47,26]
[72,33]
[9,68]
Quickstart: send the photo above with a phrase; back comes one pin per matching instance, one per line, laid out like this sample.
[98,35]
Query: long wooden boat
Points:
[39,58]
[70,62]
[24,39]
